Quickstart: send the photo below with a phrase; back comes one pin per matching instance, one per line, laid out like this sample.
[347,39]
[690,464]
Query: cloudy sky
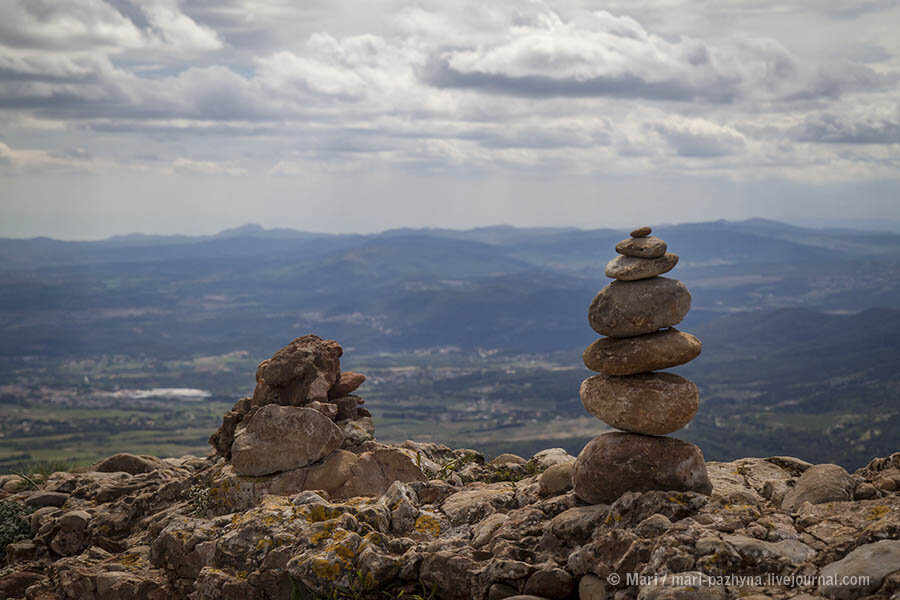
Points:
[190,116]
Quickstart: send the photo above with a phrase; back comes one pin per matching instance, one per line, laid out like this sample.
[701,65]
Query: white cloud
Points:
[175,31]
[551,87]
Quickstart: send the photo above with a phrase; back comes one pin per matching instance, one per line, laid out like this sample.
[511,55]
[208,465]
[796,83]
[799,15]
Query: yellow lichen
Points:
[321,512]
[325,533]
[426,524]
[876,512]
[325,569]
[264,544]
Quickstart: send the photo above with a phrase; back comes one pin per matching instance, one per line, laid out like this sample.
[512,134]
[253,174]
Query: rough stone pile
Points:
[637,312]
[304,430]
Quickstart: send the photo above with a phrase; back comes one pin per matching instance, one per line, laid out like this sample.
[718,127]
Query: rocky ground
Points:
[143,527]
[300,502]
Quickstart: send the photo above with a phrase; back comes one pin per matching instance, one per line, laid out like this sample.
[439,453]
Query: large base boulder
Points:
[614,463]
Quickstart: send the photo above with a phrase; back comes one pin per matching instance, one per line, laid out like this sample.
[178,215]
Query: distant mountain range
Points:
[523,290]
[801,327]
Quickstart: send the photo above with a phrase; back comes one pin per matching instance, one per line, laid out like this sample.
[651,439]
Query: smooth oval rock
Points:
[641,232]
[642,247]
[629,308]
[279,438]
[630,268]
[820,484]
[649,403]
[614,463]
[642,353]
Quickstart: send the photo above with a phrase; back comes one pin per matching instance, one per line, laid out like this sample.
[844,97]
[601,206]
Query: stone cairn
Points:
[637,312]
[304,430]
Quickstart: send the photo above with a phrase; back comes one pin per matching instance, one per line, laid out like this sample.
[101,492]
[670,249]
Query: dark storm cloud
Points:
[627,85]
[876,127]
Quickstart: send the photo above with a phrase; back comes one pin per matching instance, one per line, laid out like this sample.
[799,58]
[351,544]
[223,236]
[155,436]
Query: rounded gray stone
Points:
[820,484]
[649,403]
[629,308]
[641,353]
[629,268]
[614,463]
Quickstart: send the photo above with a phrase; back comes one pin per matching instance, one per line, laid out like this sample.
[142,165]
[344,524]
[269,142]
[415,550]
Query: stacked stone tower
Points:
[637,312]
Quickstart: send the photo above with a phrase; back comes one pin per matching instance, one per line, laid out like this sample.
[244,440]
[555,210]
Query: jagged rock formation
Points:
[303,430]
[417,520]
[637,312]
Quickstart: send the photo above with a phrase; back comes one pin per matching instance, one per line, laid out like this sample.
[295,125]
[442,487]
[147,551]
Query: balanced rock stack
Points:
[304,430]
[637,312]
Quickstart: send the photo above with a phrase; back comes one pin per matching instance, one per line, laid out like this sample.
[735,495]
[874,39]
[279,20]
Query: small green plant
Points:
[359,589]
[36,474]
[423,593]
[200,498]
[448,467]
[14,525]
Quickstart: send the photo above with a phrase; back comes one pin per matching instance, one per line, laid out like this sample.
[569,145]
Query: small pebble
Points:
[641,232]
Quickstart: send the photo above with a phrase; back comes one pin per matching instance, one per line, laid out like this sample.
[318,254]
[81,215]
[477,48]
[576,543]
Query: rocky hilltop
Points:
[299,501]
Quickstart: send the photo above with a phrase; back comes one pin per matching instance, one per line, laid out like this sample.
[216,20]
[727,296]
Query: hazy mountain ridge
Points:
[502,301]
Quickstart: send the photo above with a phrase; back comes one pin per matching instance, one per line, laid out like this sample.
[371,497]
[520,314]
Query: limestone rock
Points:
[14,585]
[477,502]
[332,473]
[614,463]
[649,403]
[128,463]
[591,587]
[375,471]
[551,583]
[629,308]
[279,438]
[819,484]
[551,456]
[557,479]
[41,498]
[507,459]
[303,371]
[346,408]
[690,585]
[873,561]
[642,247]
[630,268]
[346,384]
[642,353]
[758,552]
